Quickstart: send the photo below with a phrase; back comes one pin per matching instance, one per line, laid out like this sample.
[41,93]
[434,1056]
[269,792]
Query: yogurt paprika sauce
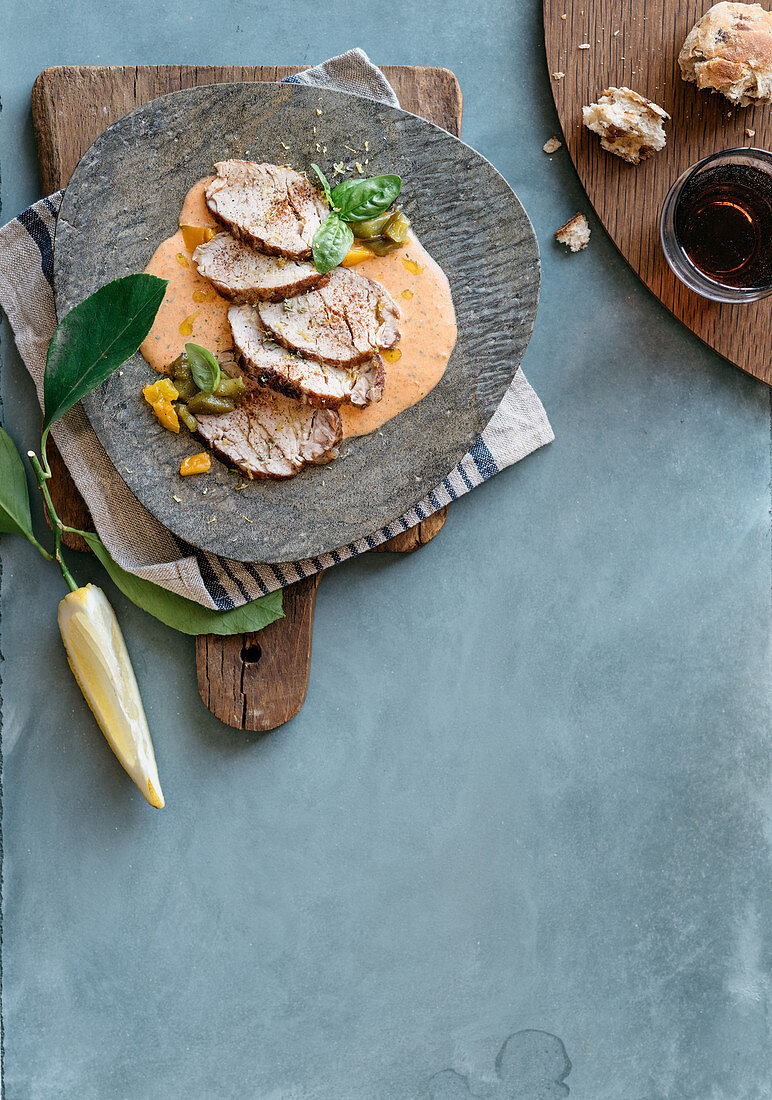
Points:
[193,310]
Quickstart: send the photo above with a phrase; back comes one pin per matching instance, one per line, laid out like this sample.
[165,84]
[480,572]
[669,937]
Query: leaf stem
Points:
[43,455]
[41,549]
[42,476]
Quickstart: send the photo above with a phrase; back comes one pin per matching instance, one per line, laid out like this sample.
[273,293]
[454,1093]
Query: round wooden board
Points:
[636,43]
[463,210]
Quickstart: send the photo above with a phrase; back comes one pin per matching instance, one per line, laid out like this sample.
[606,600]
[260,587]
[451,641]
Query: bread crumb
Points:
[564,16]
[628,124]
[575,233]
[558,76]
[750,133]
[584,46]
[551,145]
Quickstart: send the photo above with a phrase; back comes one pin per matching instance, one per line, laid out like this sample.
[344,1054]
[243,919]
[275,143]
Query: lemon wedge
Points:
[100,662]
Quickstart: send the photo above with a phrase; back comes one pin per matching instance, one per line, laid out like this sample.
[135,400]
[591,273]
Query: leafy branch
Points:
[92,341]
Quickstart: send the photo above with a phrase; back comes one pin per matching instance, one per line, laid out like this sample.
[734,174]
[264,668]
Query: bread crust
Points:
[575,233]
[729,51]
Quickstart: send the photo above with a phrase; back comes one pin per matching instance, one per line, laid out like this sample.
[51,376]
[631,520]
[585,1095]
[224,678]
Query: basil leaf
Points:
[323,180]
[96,337]
[15,517]
[358,200]
[182,614]
[204,367]
[332,241]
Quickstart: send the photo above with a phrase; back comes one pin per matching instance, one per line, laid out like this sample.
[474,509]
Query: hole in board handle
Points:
[251,654]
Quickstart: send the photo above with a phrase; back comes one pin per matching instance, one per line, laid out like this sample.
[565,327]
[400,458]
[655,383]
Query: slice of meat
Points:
[269,435]
[321,384]
[342,323]
[243,274]
[271,207]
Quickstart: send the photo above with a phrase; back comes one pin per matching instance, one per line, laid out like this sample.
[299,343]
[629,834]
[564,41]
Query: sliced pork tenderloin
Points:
[269,435]
[343,323]
[266,205]
[242,274]
[321,384]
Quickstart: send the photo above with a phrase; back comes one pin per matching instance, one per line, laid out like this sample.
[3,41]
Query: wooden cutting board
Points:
[253,681]
[636,43]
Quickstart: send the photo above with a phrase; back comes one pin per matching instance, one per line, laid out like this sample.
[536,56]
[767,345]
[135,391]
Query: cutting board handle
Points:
[259,681]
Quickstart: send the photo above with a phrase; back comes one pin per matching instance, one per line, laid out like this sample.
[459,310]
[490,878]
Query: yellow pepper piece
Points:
[392,355]
[196,464]
[194,235]
[162,390]
[357,254]
[159,395]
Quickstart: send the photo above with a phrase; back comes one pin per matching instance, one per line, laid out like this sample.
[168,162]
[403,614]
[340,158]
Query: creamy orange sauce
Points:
[192,310]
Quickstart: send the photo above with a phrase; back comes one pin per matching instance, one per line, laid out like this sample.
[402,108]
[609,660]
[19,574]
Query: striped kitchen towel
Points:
[136,540]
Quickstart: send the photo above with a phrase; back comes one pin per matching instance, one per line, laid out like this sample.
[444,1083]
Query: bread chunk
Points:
[730,51]
[575,233]
[628,124]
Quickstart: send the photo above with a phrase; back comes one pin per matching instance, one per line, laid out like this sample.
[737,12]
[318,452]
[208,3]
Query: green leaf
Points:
[96,337]
[204,367]
[323,180]
[358,200]
[332,241]
[185,615]
[15,518]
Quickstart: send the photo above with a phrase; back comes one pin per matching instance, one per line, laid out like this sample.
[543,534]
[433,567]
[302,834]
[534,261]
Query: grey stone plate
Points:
[124,198]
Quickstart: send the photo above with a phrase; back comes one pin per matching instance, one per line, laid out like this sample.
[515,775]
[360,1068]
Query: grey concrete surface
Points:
[523,820]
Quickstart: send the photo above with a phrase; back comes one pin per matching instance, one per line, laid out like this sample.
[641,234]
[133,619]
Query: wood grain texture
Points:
[249,682]
[636,43]
[259,681]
